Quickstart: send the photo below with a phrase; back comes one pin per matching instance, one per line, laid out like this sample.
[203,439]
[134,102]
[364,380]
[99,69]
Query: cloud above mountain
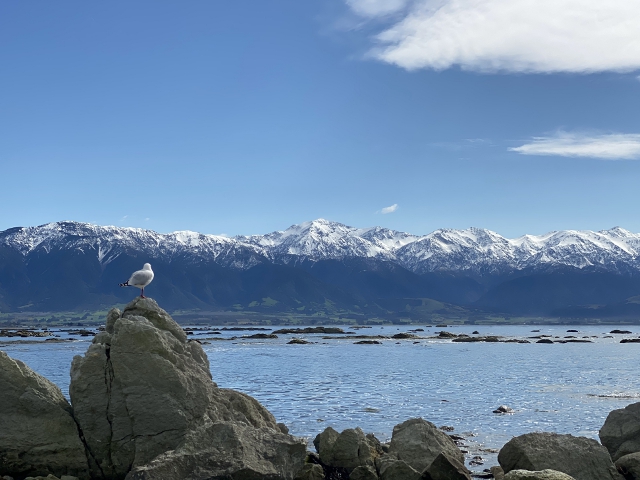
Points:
[530,36]
[606,147]
[389,209]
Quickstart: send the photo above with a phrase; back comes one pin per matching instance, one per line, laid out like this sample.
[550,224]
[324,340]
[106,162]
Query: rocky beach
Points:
[144,406]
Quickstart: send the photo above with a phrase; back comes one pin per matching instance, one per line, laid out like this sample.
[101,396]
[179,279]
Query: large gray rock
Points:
[445,467]
[419,442]
[143,389]
[621,431]
[541,475]
[580,457]
[38,435]
[324,443]
[629,466]
[228,450]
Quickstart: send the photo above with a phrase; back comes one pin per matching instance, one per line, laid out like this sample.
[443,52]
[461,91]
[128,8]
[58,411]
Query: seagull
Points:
[140,279]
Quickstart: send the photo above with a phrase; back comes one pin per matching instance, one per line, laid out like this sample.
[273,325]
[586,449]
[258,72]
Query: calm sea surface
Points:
[564,388]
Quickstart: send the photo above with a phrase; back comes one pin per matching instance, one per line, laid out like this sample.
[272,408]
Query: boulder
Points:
[541,475]
[629,466]
[497,472]
[310,471]
[38,434]
[621,431]
[579,457]
[143,389]
[419,442]
[364,473]
[445,467]
[350,450]
[324,443]
[227,450]
[391,468]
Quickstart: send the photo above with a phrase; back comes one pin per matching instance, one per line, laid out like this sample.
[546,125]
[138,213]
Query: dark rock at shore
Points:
[630,340]
[298,341]
[504,409]
[445,467]
[444,334]
[490,338]
[545,340]
[400,336]
[38,435]
[580,457]
[367,342]
[629,466]
[621,332]
[418,442]
[620,433]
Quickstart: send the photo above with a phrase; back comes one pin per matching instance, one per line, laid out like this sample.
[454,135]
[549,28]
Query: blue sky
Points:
[246,117]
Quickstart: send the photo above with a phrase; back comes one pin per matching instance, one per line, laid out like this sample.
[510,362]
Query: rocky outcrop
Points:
[541,475]
[579,457]
[143,390]
[629,466]
[310,471]
[621,431]
[418,442]
[38,434]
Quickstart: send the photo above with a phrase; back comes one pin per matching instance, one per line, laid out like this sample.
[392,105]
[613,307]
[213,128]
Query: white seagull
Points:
[140,279]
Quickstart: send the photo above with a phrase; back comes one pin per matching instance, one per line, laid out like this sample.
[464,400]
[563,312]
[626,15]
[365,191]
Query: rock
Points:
[38,434]
[350,450]
[504,409]
[310,471]
[445,467]
[143,389]
[621,332]
[310,330]
[227,450]
[540,475]
[263,336]
[419,442]
[367,342]
[444,334]
[621,431]
[629,466]
[283,428]
[544,340]
[580,457]
[298,341]
[497,472]
[630,340]
[324,443]
[390,468]
[401,336]
[363,472]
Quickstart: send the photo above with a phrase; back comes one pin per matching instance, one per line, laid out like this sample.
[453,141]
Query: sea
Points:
[563,388]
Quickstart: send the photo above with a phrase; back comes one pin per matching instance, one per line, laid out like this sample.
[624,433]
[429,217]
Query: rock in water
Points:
[38,434]
[621,431]
[143,389]
[580,457]
[418,442]
[446,468]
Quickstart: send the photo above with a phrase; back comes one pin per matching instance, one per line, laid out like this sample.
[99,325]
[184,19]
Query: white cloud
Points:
[533,36]
[390,209]
[606,147]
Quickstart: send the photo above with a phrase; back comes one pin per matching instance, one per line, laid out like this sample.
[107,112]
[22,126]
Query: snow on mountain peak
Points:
[473,250]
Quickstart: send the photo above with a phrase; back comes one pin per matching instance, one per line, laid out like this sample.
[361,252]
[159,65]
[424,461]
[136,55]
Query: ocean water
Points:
[564,388]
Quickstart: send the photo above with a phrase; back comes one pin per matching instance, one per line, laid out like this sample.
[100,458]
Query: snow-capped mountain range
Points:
[471,251]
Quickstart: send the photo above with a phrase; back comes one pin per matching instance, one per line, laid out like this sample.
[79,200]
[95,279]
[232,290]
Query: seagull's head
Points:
[147,266]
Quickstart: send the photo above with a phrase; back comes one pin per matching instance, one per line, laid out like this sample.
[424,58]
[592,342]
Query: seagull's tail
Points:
[125,284]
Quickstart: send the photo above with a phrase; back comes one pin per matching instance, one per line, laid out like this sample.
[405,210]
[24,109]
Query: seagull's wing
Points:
[141,278]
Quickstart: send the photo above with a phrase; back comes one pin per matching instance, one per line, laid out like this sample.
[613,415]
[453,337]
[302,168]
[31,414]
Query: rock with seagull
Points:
[140,279]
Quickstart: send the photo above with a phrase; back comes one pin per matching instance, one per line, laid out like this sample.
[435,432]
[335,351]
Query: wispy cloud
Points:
[580,36]
[124,218]
[389,209]
[618,146]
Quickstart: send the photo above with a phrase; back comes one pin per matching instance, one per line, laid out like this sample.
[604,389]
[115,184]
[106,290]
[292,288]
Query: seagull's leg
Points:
[142,293]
